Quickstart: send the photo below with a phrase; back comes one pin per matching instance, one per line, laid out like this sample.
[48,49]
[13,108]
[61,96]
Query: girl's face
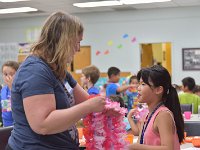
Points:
[8,72]
[145,92]
[135,83]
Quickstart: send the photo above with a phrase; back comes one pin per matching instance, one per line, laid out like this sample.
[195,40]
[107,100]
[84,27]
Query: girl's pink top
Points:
[153,138]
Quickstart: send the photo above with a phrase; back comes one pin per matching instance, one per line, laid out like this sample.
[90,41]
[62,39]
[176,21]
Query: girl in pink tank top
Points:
[163,128]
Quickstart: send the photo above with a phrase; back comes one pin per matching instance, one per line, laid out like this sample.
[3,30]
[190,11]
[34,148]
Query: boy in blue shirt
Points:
[90,75]
[9,69]
[113,87]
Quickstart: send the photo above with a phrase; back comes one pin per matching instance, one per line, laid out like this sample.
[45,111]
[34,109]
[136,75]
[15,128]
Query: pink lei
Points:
[104,132]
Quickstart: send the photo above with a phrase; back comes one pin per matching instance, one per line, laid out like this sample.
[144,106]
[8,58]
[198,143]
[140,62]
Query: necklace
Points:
[146,124]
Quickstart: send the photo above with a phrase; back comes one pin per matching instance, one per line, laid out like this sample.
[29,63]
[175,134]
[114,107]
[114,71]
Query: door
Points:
[80,61]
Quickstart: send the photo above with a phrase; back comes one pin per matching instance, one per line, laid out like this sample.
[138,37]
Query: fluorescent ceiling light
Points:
[142,1]
[98,4]
[8,1]
[17,10]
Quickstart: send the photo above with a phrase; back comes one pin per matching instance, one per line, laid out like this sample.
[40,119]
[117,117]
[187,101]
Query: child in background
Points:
[197,90]
[178,88]
[164,126]
[113,87]
[103,90]
[132,92]
[188,97]
[90,75]
[9,69]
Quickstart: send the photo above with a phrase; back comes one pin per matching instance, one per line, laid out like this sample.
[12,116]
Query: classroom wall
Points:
[110,33]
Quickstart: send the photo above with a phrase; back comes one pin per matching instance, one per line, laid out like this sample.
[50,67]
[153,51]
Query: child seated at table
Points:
[188,97]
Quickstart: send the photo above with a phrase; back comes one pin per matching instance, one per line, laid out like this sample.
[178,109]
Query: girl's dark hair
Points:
[159,76]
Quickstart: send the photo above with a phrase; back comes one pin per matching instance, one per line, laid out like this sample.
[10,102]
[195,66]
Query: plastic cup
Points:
[187,114]
[129,138]
[185,134]
[80,132]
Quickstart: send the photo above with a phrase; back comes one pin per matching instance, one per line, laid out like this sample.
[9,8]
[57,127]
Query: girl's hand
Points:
[133,146]
[9,80]
[132,112]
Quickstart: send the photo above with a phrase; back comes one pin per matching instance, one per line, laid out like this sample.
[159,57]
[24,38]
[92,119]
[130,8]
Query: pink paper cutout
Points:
[106,52]
[133,39]
[97,53]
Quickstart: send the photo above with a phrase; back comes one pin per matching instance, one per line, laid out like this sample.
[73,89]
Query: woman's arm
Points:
[163,125]
[80,95]
[44,119]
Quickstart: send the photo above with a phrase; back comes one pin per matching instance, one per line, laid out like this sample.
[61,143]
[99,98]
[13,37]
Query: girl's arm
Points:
[134,126]
[164,126]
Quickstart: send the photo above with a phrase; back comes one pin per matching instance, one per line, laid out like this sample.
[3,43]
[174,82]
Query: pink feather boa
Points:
[104,132]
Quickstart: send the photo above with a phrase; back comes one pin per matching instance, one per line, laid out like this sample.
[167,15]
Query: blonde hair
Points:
[57,41]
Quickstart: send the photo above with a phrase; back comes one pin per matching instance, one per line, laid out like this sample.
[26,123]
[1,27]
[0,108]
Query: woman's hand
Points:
[97,103]
[111,112]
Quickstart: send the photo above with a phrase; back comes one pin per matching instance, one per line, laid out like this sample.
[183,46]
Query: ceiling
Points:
[46,7]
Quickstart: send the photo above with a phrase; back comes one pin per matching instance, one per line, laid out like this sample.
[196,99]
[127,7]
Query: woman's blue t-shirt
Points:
[34,77]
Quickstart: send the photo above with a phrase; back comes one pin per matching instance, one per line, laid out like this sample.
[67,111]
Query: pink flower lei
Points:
[104,132]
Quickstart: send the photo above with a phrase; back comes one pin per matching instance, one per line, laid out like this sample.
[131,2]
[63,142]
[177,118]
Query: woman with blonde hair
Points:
[44,111]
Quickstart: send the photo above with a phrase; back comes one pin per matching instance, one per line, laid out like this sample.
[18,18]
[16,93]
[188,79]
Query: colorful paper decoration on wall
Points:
[133,39]
[106,52]
[98,52]
[119,46]
[125,36]
[110,43]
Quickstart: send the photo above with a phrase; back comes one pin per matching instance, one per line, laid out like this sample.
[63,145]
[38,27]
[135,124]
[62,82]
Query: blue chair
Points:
[186,107]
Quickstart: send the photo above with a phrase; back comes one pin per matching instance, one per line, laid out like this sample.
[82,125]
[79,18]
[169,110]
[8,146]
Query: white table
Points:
[186,146]
[195,118]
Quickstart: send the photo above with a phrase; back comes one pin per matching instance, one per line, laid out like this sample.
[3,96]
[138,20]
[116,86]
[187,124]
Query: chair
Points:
[5,133]
[186,107]
[192,128]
